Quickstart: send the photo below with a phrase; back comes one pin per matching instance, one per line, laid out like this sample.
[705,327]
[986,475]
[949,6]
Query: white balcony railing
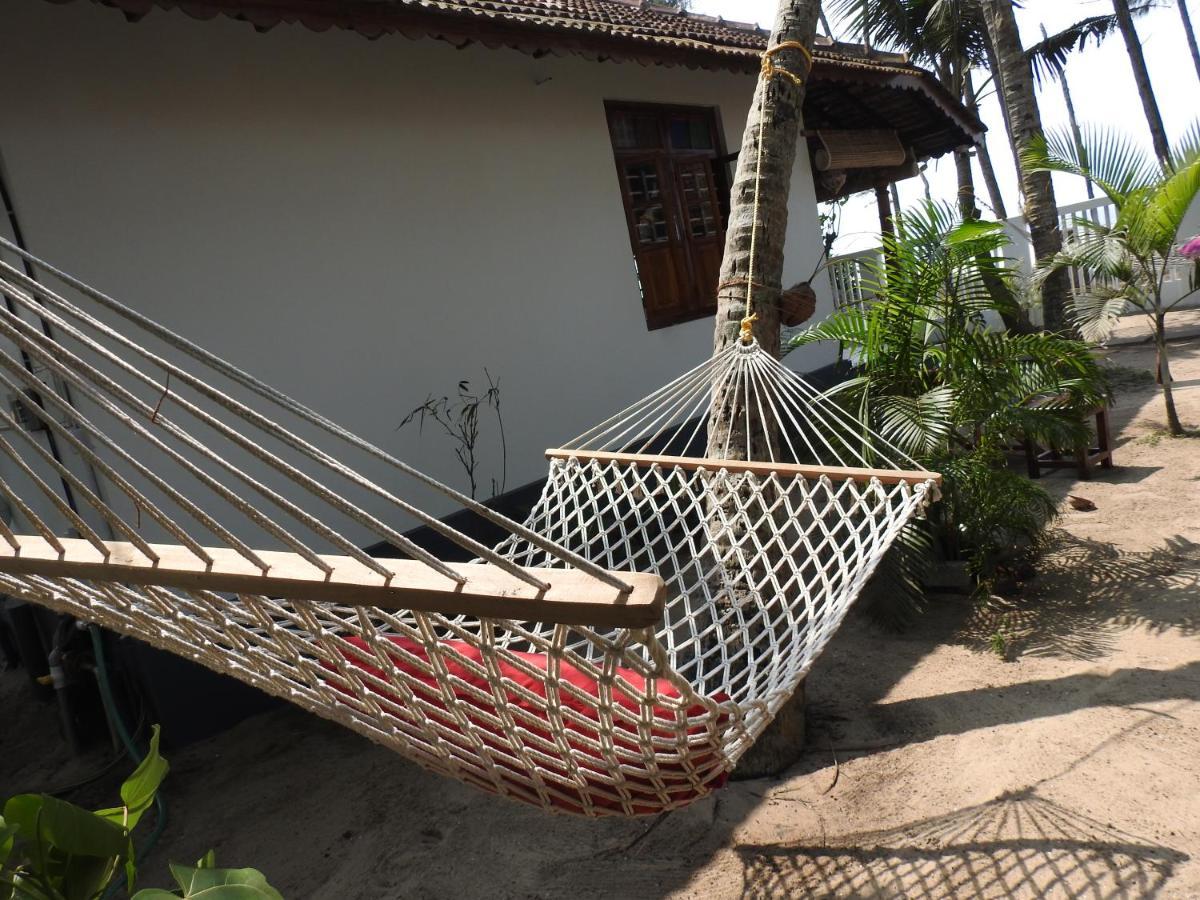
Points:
[847,273]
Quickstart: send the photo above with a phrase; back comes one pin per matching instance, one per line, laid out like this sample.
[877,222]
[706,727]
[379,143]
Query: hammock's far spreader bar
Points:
[574,598]
[833,473]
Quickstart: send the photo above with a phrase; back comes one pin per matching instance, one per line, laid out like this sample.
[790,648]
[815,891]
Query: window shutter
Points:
[666,161]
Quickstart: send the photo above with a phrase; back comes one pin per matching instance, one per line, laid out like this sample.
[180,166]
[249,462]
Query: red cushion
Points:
[535,730]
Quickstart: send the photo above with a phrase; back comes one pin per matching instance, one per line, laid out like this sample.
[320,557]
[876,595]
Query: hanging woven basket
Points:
[797,304]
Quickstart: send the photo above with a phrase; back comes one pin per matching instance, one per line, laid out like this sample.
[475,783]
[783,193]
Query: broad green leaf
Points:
[223,884]
[234,892]
[155,894]
[76,831]
[8,834]
[139,788]
[973,230]
[83,877]
[21,812]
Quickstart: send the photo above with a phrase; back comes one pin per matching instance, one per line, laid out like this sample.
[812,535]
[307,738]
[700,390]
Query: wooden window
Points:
[676,191]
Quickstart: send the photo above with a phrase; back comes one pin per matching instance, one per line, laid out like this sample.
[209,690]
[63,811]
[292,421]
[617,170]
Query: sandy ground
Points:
[935,768]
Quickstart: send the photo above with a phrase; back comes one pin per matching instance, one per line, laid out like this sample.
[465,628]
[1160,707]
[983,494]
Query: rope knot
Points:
[770,68]
[748,328]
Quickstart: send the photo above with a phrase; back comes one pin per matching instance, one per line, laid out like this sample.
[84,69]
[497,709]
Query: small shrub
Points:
[459,420]
[937,378]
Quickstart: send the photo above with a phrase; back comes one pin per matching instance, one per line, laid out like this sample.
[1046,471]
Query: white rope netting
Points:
[162,493]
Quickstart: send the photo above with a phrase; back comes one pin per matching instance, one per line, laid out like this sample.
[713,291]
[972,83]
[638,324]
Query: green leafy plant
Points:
[938,377]
[54,850]
[1001,639]
[204,881]
[1126,264]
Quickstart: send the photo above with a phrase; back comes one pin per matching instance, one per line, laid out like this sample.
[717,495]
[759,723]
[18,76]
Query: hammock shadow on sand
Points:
[1018,845]
[1088,592]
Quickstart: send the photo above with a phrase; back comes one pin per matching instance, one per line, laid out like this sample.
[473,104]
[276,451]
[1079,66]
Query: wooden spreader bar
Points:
[690,463]
[574,598]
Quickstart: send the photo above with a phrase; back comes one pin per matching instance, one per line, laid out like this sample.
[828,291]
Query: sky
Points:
[1101,86]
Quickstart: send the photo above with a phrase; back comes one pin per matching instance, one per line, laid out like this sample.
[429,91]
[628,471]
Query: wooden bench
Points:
[1084,459]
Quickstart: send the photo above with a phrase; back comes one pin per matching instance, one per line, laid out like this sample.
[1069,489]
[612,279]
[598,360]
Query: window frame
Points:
[696,300]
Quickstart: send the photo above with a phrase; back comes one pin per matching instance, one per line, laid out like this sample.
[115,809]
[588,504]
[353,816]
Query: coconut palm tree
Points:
[946,36]
[770,138]
[1141,76]
[1014,74]
[1127,263]
[955,36]
[1049,57]
[772,130]
[1190,33]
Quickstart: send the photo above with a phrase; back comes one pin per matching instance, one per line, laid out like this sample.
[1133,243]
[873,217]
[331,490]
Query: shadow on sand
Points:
[1018,845]
[1088,592]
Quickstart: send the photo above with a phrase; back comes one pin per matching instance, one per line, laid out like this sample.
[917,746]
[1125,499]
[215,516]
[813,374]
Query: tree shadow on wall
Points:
[1018,845]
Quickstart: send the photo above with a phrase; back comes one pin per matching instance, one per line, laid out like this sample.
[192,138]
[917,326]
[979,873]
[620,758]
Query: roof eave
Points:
[374,19]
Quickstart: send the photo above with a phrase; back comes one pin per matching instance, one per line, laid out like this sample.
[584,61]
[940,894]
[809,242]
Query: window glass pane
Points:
[691,133]
[651,225]
[641,180]
[635,131]
[697,201]
[702,220]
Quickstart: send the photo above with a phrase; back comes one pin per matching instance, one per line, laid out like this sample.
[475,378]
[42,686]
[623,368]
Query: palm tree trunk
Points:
[951,75]
[984,155]
[883,201]
[994,68]
[1076,134]
[1015,79]
[1164,372]
[778,103]
[967,207]
[1141,75]
[1190,33]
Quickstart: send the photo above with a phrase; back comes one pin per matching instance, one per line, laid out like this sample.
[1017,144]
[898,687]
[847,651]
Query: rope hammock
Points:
[616,654]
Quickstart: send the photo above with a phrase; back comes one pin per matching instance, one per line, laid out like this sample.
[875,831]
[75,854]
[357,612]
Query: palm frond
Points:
[1103,253]
[920,426]
[1096,314]
[1154,221]
[1187,149]
[1049,56]
[850,325]
[1108,156]
[933,378]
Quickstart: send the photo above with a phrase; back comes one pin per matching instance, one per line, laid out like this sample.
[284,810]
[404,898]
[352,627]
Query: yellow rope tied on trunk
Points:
[769,70]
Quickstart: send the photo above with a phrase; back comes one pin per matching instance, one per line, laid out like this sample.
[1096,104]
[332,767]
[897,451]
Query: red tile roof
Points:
[614,28]
[632,19]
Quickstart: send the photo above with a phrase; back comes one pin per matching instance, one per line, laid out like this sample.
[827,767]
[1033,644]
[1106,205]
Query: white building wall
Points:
[359,223]
[1191,223]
